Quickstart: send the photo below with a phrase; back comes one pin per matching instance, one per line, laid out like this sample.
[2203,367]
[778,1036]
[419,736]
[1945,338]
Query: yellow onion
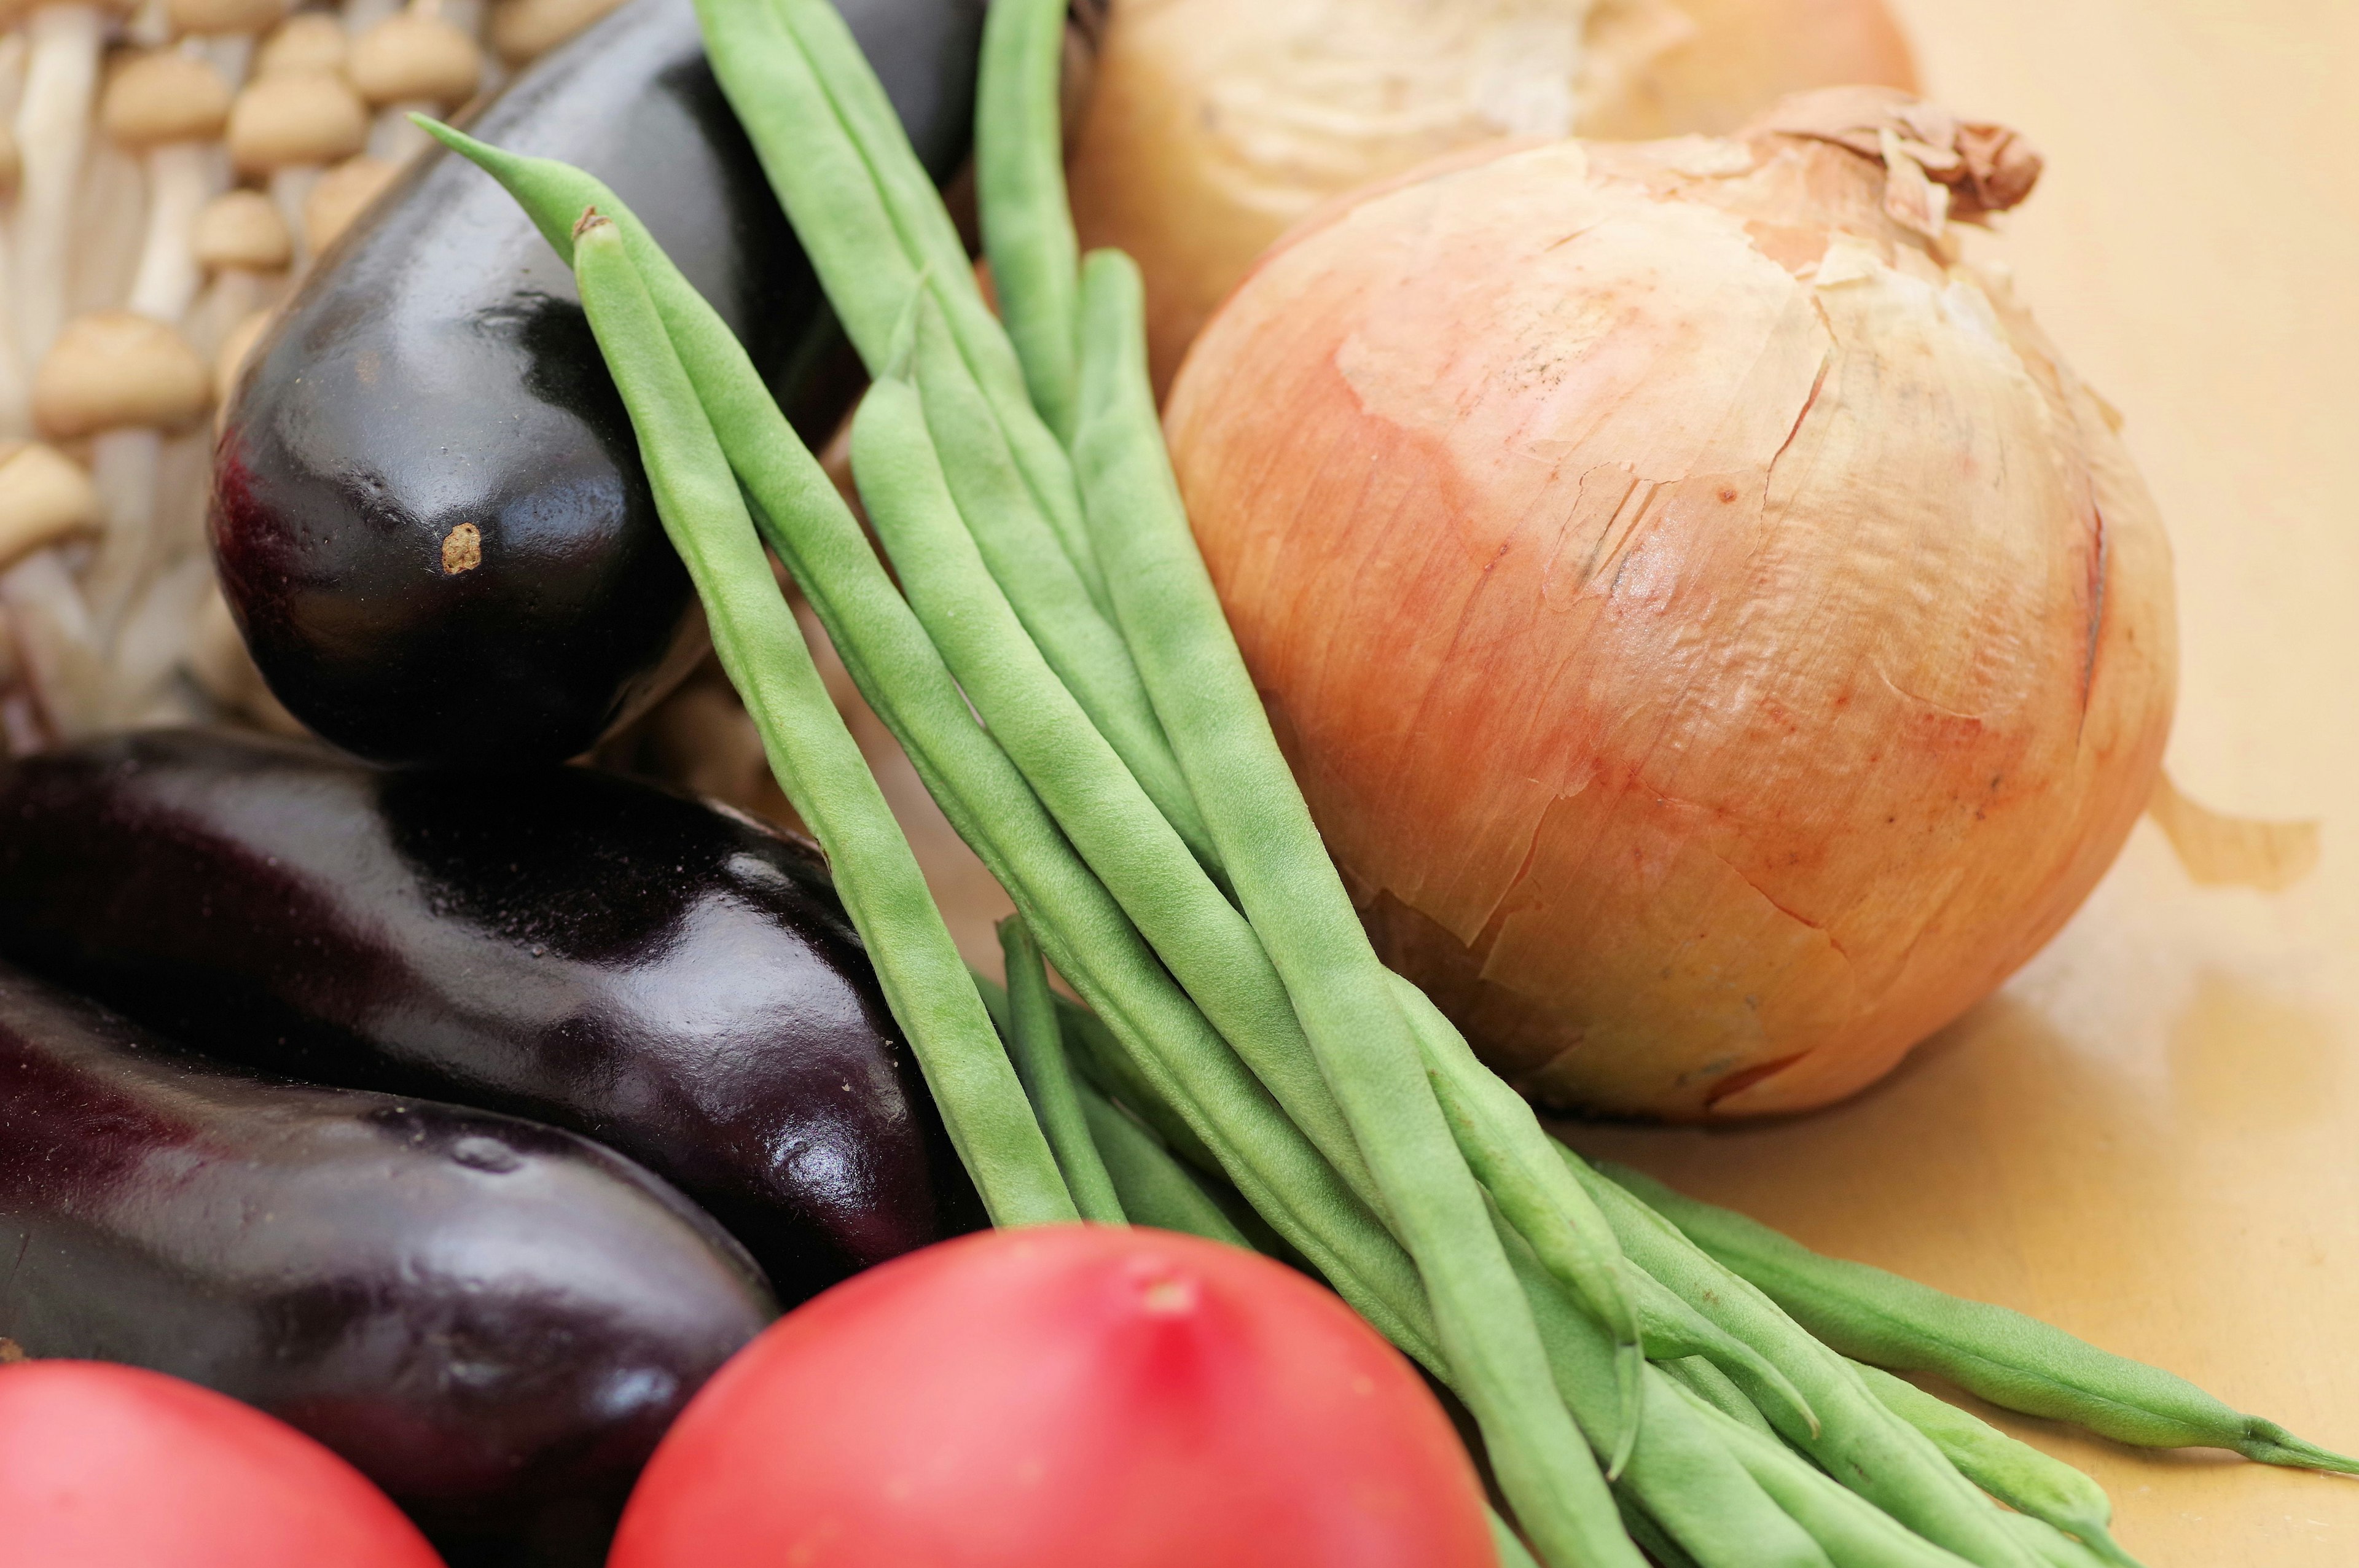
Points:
[1717,635]
[1214,125]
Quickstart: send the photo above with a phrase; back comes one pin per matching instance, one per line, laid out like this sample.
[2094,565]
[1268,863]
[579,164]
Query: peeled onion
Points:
[1214,125]
[1718,635]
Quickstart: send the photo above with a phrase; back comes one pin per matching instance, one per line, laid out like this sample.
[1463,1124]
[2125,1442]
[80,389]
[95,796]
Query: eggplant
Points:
[429,517]
[493,1321]
[670,979]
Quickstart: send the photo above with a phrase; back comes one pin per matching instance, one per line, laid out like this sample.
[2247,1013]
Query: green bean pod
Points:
[1028,224]
[2015,1473]
[816,760]
[1038,1046]
[1155,1188]
[2015,1362]
[1852,1531]
[1716,1389]
[1860,1443]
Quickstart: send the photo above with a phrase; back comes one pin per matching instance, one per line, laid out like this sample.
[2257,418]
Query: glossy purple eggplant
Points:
[495,1321]
[671,979]
[428,515]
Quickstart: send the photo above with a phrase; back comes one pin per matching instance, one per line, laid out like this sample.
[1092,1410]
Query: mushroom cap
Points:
[306,41]
[301,117]
[522,29]
[44,496]
[241,229]
[210,17]
[118,370]
[165,96]
[340,196]
[412,57]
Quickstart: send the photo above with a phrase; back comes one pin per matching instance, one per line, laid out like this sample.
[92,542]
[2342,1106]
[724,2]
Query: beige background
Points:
[2151,1136]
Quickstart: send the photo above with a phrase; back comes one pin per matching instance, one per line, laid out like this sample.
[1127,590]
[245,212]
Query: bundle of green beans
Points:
[1645,1372]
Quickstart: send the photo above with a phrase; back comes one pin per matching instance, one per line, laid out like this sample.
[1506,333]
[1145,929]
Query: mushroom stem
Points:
[57,644]
[290,188]
[394,137]
[53,132]
[182,177]
[122,470]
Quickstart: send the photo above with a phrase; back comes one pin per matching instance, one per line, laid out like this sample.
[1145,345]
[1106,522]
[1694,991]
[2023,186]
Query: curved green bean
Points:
[814,756]
[2015,1473]
[1038,1046]
[1716,1389]
[1861,1444]
[2015,1362]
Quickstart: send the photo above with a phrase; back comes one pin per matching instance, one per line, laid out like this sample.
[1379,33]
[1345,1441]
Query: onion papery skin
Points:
[1717,635]
[1215,124]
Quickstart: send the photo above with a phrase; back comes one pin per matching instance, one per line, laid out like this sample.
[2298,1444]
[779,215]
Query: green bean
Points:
[1509,1153]
[1852,1531]
[1028,225]
[2015,1362]
[870,218]
[1081,645]
[1656,1541]
[812,753]
[1291,893]
[2052,1546]
[1156,1189]
[877,233]
[1038,1048]
[1683,1476]
[1859,1441]
[1715,1387]
[2015,1473]
[1513,1552]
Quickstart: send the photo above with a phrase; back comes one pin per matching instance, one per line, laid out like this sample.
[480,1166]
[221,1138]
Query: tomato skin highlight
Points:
[108,1466]
[1065,1395]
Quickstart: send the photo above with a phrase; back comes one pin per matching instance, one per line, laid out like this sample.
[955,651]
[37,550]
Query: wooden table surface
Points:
[2151,1135]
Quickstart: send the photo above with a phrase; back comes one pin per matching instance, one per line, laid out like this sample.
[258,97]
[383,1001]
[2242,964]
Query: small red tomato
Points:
[1071,1397]
[107,1466]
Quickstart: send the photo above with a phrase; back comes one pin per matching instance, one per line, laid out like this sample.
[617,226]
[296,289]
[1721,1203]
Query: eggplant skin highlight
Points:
[429,515]
[671,979]
[493,1320]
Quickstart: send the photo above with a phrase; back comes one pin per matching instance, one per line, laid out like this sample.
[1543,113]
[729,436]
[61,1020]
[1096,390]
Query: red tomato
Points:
[1060,1397]
[107,1466]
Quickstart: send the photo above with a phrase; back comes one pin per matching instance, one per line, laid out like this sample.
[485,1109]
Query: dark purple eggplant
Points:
[429,514]
[670,979]
[495,1321]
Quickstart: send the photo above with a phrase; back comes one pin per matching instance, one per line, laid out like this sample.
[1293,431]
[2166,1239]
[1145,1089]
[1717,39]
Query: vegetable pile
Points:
[1643,1373]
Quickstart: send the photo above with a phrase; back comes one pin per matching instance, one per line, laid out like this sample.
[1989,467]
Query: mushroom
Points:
[121,379]
[289,126]
[339,195]
[525,29]
[167,106]
[44,497]
[242,243]
[306,41]
[226,29]
[413,60]
[52,137]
